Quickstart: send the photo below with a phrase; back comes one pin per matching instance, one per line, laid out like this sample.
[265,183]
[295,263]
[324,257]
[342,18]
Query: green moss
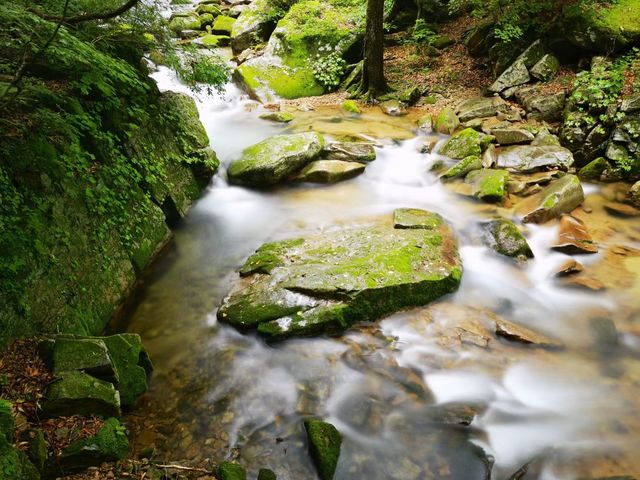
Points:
[284,81]
[14,464]
[415,218]
[7,424]
[266,474]
[77,393]
[223,24]
[504,237]
[463,167]
[110,444]
[279,117]
[594,169]
[324,446]
[350,106]
[231,471]
[466,143]
[446,122]
[489,185]
[126,351]
[89,355]
[268,257]
[37,449]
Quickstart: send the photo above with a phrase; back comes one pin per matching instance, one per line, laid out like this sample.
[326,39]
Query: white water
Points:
[229,390]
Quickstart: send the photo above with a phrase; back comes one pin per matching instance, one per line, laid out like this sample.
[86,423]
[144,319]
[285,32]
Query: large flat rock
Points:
[327,282]
[529,158]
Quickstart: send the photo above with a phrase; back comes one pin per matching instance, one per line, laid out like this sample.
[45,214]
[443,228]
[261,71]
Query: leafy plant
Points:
[328,67]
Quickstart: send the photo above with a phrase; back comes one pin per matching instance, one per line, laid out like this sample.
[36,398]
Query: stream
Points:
[401,391]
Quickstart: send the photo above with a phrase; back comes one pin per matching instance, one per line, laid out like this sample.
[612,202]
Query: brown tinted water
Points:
[402,391]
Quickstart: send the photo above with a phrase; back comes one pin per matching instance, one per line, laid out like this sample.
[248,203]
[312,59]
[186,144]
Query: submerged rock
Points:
[573,237]
[621,210]
[503,236]
[275,159]
[520,334]
[570,267]
[280,117]
[529,158]
[466,143]
[327,282]
[560,197]
[324,446]
[330,171]
[488,185]
[110,444]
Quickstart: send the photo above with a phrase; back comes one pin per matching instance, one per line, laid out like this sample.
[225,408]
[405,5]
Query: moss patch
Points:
[324,446]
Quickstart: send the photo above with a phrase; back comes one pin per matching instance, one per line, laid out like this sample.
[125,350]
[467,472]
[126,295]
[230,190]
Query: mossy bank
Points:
[95,164]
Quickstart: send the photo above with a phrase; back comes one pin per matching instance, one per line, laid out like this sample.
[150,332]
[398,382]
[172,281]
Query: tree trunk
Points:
[373,82]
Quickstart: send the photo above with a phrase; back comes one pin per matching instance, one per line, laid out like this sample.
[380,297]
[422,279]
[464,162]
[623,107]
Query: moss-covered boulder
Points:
[131,364]
[350,106]
[529,158]
[415,218]
[212,41]
[275,159]
[463,167]
[512,135]
[324,446]
[560,197]
[78,393]
[311,36]
[266,474]
[546,68]
[37,450]
[231,471]
[87,354]
[466,143]
[593,170]
[182,22]
[223,25]
[330,171]
[110,444]
[7,423]
[326,282]
[446,122]
[14,464]
[488,185]
[503,236]
[602,28]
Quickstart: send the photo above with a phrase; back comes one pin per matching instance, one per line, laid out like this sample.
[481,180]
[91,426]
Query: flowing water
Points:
[402,391]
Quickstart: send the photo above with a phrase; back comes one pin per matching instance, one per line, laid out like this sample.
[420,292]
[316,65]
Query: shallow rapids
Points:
[566,413]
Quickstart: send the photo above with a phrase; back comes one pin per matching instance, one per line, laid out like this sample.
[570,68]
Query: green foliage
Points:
[200,71]
[422,33]
[328,67]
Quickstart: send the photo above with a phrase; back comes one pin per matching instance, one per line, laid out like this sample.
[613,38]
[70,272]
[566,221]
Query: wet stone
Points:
[512,136]
[324,446]
[463,167]
[279,117]
[560,197]
[393,108]
[351,152]
[414,218]
[231,471]
[488,185]
[585,283]
[530,158]
[503,236]
[573,237]
[520,334]
[330,171]
[622,210]
[570,267]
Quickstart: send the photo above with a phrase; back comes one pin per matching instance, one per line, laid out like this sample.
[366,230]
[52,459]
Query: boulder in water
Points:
[466,143]
[446,122]
[231,471]
[573,237]
[488,185]
[275,159]
[330,171]
[324,446]
[351,152]
[560,197]
[327,282]
[463,167]
[503,236]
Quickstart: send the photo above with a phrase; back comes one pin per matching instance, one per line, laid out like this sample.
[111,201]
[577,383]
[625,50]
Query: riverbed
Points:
[420,394]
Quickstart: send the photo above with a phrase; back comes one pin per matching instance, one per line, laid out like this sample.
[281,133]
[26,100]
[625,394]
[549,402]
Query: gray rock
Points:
[634,194]
[463,167]
[630,104]
[480,107]
[393,108]
[545,139]
[560,197]
[512,136]
[330,171]
[533,54]
[617,152]
[446,122]
[528,158]
[275,159]
[546,108]
[546,68]
[516,74]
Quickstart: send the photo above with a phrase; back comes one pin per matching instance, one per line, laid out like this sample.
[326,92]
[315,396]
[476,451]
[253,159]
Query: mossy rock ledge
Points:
[327,282]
